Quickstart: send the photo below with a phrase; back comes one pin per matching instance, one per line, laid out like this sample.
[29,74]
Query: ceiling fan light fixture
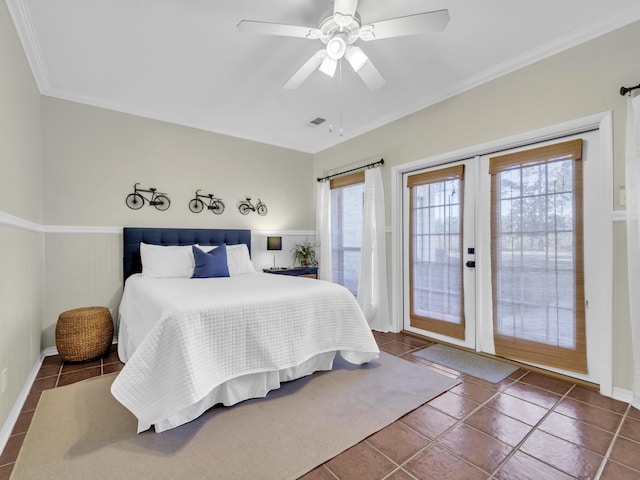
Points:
[328,66]
[336,47]
[356,58]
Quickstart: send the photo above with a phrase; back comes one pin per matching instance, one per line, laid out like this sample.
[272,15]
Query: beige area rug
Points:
[80,432]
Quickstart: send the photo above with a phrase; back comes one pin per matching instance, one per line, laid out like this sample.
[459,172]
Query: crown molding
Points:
[21,17]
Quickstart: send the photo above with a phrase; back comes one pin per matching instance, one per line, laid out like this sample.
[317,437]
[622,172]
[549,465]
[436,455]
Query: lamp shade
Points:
[274,243]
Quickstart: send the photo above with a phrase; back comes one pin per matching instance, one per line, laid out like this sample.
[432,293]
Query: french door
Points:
[440,253]
[495,254]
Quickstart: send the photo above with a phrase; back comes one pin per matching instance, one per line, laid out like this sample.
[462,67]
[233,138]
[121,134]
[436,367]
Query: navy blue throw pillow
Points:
[210,264]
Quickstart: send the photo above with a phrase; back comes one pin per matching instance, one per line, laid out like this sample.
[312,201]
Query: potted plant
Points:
[304,253]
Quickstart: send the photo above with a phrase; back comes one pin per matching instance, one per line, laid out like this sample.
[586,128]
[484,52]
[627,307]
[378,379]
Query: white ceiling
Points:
[185,62]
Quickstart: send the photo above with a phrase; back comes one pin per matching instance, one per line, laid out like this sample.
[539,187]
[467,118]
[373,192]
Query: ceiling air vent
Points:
[316,121]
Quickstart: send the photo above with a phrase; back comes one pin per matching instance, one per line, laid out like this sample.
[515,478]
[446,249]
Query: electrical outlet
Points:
[5,379]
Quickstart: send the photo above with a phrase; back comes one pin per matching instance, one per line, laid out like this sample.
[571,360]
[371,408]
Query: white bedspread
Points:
[182,339]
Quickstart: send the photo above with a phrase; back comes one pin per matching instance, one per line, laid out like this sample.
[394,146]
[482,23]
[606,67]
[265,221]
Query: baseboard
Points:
[50,352]
[622,394]
[12,418]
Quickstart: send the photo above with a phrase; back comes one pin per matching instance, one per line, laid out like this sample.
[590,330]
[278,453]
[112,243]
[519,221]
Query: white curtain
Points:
[372,283]
[632,173]
[323,231]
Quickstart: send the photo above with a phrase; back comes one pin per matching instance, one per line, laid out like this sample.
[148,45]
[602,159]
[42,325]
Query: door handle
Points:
[471,264]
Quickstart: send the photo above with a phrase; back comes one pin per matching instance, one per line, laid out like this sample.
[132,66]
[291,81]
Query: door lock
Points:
[471,264]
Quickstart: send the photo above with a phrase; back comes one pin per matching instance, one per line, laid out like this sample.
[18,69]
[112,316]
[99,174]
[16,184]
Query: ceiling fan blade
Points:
[305,70]
[266,28]
[370,76]
[345,7]
[409,25]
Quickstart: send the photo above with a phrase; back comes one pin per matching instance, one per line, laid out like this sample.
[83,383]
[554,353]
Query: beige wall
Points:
[574,84]
[21,248]
[92,158]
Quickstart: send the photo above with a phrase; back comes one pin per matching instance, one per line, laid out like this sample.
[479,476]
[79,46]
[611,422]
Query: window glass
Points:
[346,234]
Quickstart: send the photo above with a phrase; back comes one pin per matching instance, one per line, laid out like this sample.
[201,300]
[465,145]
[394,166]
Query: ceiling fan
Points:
[339,29]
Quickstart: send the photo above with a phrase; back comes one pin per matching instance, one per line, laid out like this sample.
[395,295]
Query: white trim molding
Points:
[8,220]
[287,233]
[619,216]
[19,11]
[12,418]
[623,395]
[80,229]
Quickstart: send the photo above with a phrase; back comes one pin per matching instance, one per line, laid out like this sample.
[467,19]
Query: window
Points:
[346,228]
[536,255]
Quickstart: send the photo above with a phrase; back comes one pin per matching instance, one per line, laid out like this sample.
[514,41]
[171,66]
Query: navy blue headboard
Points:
[174,236]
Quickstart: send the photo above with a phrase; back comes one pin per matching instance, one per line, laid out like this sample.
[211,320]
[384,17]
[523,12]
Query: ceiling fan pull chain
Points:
[340,95]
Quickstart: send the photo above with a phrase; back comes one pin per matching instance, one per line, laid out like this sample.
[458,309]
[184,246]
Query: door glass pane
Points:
[537,268]
[436,251]
[535,254]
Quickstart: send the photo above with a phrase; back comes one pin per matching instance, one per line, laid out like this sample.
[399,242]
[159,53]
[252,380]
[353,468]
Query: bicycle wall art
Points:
[151,196]
[245,206]
[196,205]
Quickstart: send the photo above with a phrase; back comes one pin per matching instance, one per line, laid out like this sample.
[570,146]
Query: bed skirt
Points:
[255,385]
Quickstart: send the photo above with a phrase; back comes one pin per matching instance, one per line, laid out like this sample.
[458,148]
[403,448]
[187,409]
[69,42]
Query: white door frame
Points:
[603,284]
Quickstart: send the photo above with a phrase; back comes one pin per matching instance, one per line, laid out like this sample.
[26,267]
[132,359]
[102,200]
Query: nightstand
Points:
[309,272]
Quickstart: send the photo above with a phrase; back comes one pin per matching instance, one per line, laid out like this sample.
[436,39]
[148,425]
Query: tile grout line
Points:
[330,471]
[57,377]
[396,464]
[607,454]
[534,428]
[458,421]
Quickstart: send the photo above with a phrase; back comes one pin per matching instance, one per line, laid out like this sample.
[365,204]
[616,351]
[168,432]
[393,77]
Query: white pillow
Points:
[160,261]
[238,260]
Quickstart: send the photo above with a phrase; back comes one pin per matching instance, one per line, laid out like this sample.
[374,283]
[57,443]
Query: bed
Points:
[191,343]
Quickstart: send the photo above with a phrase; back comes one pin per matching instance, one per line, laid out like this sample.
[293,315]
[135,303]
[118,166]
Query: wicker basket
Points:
[84,333]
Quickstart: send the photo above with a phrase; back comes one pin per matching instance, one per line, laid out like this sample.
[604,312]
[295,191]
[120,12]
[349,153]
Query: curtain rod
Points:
[625,90]
[370,165]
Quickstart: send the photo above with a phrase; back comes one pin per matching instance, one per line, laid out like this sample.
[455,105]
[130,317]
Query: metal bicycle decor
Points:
[245,206]
[137,199]
[216,205]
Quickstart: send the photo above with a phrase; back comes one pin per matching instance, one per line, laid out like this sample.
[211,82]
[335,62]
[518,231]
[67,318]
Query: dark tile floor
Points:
[529,426]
